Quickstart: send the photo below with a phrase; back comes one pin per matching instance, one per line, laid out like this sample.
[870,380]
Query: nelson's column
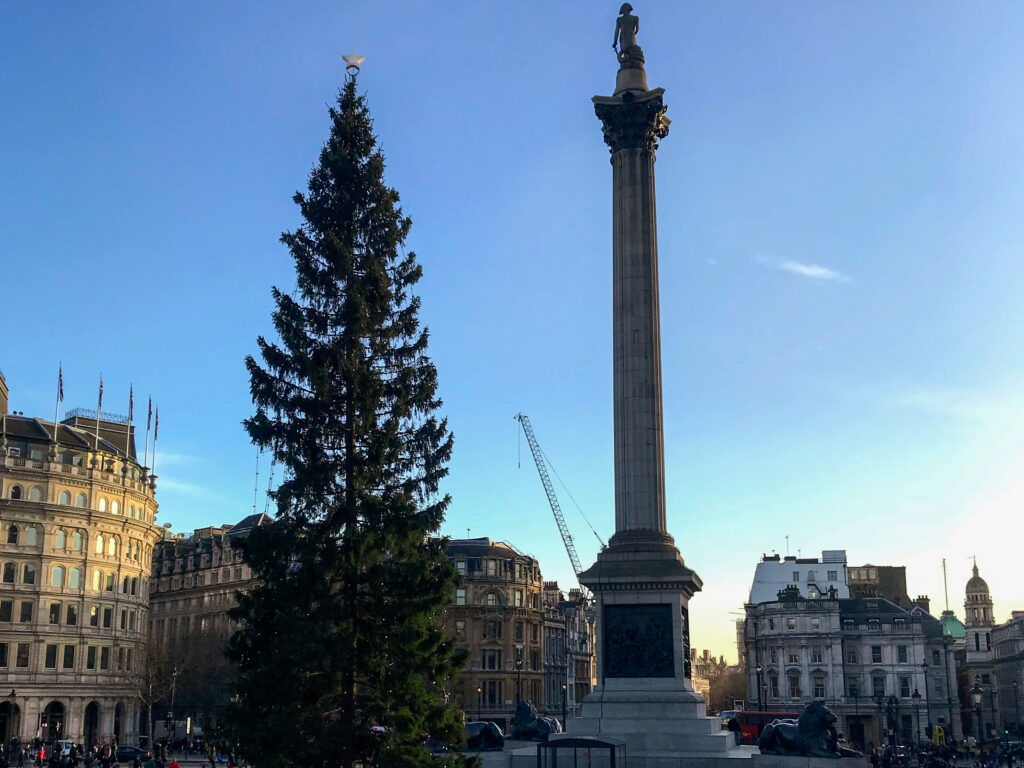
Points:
[641,585]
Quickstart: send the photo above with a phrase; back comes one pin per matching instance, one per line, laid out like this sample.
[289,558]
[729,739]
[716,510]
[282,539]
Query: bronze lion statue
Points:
[812,735]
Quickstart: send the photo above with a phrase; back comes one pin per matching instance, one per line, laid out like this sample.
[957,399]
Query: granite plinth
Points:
[785,761]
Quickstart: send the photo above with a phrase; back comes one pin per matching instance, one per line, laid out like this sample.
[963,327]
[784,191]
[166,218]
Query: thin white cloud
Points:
[813,271]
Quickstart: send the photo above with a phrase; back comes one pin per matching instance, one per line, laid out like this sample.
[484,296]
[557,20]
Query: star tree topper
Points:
[352,62]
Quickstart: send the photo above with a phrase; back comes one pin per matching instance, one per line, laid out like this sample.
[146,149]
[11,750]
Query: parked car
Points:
[128,754]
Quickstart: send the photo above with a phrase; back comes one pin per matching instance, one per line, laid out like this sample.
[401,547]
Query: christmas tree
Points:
[341,657]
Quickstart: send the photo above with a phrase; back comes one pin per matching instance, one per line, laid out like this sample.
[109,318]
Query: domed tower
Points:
[978,618]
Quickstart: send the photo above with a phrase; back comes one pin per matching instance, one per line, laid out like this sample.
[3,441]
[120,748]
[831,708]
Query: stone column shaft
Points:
[639,441]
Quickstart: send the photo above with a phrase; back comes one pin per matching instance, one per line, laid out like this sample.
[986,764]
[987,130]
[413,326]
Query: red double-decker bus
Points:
[752,723]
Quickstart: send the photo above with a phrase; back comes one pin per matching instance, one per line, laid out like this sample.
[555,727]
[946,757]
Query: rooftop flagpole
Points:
[99,410]
[60,399]
[149,423]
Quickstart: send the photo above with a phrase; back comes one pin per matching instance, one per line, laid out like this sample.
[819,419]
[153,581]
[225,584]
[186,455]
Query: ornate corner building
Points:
[77,531]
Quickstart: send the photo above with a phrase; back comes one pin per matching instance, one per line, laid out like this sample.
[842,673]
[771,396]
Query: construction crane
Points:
[549,489]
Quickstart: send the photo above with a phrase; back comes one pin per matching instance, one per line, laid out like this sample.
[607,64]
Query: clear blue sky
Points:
[841,236]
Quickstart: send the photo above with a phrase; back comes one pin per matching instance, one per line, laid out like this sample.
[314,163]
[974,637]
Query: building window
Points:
[878,686]
[103,504]
[26,613]
[460,626]
[55,613]
[460,565]
[492,630]
[12,532]
[794,655]
[64,499]
[811,575]
[76,541]
[816,657]
[899,623]
[99,544]
[6,610]
[69,657]
[16,495]
[81,500]
[108,618]
[937,658]
[90,657]
[21,658]
[771,623]
[819,687]
[773,686]
[57,576]
[28,574]
[51,657]
[791,623]
[3,654]
[815,623]
[109,586]
[491,659]
[876,654]
[9,570]
[874,625]
[851,655]
[519,632]
[105,657]
[75,578]
[904,687]
[794,686]
[854,688]
[492,694]
[901,654]
[32,536]
[773,655]
[71,615]
[833,575]
[60,539]
[492,567]
[492,599]
[518,593]
[796,576]
[460,596]
[112,546]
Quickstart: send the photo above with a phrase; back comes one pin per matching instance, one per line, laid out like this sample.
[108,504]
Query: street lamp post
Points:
[927,702]
[565,707]
[479,703]
[916,696]
[760,703]
[976,695]
[1017,711]
[519,674]
[992,704]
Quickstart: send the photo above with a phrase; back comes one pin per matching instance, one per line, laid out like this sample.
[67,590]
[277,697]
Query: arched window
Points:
[60,539]
[112,546]
[124,585]
[28,574]
[115,507]
[103,504]
[12,535]
[109,586]
[97,580]
[57,579]
[81,500]
[99,543]
[135,556]
[9,569]
[135,585]
[65,498]
[75,578]
[35,493]
[32,536]
[15,492]
[76,541]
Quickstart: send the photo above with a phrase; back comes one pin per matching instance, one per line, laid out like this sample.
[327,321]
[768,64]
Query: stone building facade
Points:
[195,579]
[498,619]
[569,670]
[1008,662]
[77,531]
[865,658]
